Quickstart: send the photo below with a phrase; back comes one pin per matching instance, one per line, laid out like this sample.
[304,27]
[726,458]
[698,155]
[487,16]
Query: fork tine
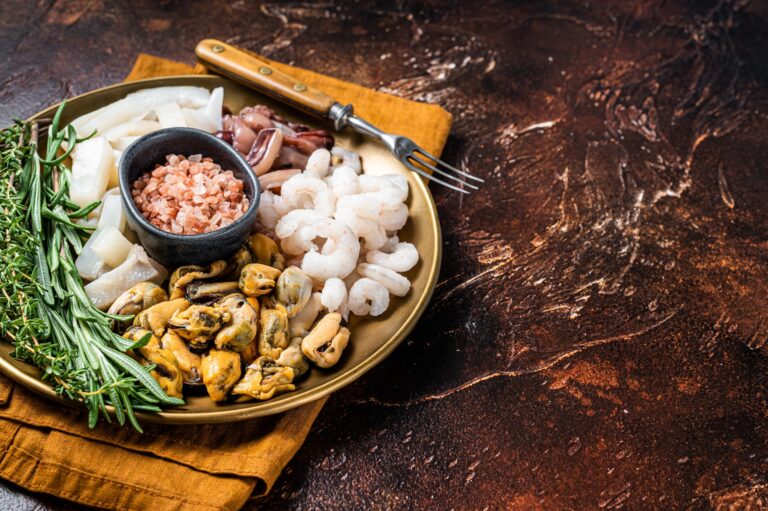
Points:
[441,172]
[431,177]
[450,167]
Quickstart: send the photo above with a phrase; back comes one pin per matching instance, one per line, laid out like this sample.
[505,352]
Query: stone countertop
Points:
[598,335]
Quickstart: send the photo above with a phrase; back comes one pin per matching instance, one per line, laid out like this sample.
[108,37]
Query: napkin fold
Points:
[48,448]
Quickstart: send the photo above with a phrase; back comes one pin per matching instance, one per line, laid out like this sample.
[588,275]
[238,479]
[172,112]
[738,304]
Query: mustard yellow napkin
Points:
[48,448]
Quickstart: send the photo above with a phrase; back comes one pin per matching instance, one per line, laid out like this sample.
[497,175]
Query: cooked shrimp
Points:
[393,219]
[334,296]
[389,246]
[366,228]
[307,192]
[318,163]
[392,189]
[393,281]
[297,229]
[271,208]
[404,256]
[368,297]
[365,205]
[348,158]
[339,254]
[343,181]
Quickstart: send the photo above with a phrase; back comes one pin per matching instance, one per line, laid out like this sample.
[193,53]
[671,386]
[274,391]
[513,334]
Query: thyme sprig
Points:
[43,307]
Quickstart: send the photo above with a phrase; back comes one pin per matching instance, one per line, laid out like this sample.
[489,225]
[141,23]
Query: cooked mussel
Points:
[258,279]
[198,324]
[250,352]
[166,371]
[273,331]
[156,317]
[243,325]
[265,378]
[236,263]
[327,340]
[189,363]
[204,291]
[293,357]
[264,251]
[141,296]
[220,370]
[183,275]
[293,289]
[302,322]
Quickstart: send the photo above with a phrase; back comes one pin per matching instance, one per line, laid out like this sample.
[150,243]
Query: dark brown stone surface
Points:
[598,336]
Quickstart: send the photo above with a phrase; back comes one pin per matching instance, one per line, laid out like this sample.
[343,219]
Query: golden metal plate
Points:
[372,338]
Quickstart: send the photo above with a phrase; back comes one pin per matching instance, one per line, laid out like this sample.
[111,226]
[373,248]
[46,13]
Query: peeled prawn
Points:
[393,281]
[393,219]
[368,297]
[318,163]
[368,229]
[349,158]
[334,295]
[297,230]
[391,189]
[403,257]
[308,192]
[365,205]
[271,208]
[343,181]
[339,254]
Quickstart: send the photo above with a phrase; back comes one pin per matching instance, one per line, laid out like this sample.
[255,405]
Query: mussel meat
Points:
[236,263]
[166,372]
[273,331]
[243,325]
[264,251]
[293,357]
[293,289]
[189,363]
[156,317]
[204,291]
[327,340]
[221,371]
[258,279]
[141,296]
[265,378]
[198,324]
[183,275]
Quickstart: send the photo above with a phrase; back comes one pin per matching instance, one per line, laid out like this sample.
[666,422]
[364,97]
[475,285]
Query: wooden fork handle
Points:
[252,71]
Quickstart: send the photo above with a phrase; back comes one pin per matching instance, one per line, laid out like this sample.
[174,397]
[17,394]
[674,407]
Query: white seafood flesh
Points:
[135,128]
[170,116]
[112,213]
[138,267]
[111,246]
[91,166]
[125,109]
[89,265]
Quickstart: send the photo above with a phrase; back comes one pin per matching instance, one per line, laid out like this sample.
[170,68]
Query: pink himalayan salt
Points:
[189,196]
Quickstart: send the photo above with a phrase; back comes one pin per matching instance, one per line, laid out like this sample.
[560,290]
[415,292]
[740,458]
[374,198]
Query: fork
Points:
[253,71]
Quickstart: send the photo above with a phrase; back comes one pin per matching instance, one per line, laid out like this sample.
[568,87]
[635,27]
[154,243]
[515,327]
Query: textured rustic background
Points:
[598,335]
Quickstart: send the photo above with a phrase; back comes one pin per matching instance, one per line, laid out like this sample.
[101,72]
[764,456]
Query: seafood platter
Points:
[186,250]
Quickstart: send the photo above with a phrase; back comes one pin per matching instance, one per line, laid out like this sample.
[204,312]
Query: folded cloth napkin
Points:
[48,448]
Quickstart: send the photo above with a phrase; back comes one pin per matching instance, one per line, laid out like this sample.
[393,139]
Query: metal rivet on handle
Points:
[217,48]
[265,70]
[299,87]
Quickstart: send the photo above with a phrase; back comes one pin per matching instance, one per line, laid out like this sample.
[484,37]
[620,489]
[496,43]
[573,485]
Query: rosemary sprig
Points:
[43,307]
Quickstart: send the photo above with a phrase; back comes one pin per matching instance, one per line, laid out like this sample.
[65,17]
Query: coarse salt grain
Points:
[189,195]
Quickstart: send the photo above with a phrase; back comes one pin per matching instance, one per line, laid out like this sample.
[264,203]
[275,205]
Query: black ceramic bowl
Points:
[174,250]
